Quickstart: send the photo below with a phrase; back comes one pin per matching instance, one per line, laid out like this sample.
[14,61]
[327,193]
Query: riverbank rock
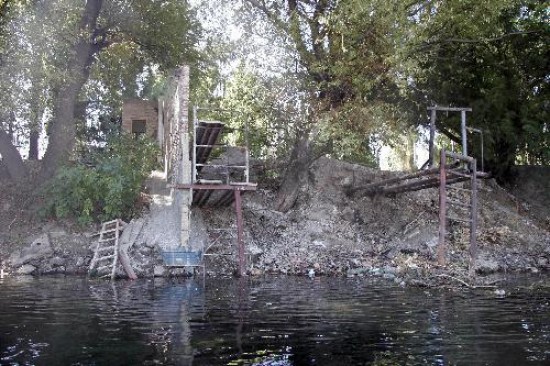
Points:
[486,265]
[26,269]
[159,271]
[39,249]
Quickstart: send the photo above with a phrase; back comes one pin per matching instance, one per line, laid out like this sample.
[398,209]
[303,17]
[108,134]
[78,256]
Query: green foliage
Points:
[131,46]
[492,56]
[106,190]
[255,113]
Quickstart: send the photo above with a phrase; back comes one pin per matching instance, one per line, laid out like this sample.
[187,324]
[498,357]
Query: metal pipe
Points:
[482,159]
[464,133]
[431,147]
[480,132]
[473,218]
[240,242]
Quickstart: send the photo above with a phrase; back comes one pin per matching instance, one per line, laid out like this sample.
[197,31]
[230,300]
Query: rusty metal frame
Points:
[237,191]
[443,181]
[433,116]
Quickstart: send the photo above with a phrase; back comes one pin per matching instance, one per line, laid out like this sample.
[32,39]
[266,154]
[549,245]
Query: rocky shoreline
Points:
[48,255]
[328,233]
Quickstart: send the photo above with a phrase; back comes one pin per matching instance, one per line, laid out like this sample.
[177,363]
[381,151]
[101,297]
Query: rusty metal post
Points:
[240,242]
[464,133]
[442,210]
[473,218]
[431,147]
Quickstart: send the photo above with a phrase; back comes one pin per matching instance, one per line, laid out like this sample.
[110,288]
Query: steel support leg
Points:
[442,210]
[473,218]
[240,241]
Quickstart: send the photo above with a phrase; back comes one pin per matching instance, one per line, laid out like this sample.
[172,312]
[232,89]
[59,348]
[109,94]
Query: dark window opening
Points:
[138,127]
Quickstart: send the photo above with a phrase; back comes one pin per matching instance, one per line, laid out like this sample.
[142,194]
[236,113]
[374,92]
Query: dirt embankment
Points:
[329,232]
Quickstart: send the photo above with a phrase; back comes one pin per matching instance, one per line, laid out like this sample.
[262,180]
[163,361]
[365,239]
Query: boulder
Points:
[486,264]
[39,249]
[26,269]
[57,262]
[159,271]
[80,261]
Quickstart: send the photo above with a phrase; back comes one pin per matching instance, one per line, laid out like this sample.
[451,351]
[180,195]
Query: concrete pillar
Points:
[184,175]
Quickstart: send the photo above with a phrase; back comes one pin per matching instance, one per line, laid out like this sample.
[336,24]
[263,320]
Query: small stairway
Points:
[458,201]
[105,259]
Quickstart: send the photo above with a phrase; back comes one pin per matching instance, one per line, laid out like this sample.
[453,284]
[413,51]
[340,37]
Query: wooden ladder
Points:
[106,252]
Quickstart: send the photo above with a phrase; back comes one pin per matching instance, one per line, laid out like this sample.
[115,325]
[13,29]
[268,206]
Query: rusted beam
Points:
[449,109]
[454,155]
[427,181]
[374,185]
[222,187]
[473,223]
[463,174]
[442,210]
[463,132]
[420,185]
[240,242]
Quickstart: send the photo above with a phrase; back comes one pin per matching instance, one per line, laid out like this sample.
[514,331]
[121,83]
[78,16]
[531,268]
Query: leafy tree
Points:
[347,56]
[492,56]
[160,33]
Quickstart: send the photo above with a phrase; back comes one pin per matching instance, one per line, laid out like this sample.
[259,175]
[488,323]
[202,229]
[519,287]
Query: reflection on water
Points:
[274,321]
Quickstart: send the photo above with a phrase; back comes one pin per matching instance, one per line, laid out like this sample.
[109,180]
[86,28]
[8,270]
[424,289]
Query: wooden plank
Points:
[458,219]
[459,203]
[105,249]
[105,257]
[125,262]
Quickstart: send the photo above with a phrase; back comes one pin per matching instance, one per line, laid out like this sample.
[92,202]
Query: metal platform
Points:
[457,205]
[225,182]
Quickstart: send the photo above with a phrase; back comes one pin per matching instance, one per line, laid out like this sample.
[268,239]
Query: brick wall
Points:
[137,109]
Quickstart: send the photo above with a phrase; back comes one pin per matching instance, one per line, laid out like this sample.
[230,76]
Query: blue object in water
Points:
[181,258]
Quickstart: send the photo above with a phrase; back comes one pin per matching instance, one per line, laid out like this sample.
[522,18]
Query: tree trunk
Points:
[4,175]
[37,112]
[11,158]
[33,144]
[296,174]
[503,160]
[63,129]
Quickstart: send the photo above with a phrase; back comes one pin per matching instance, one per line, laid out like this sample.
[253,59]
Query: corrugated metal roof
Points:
[208,133]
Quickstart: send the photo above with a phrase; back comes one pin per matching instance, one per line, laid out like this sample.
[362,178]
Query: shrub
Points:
[106,189]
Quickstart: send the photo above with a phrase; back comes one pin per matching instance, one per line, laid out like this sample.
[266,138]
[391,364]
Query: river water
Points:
[272,321]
